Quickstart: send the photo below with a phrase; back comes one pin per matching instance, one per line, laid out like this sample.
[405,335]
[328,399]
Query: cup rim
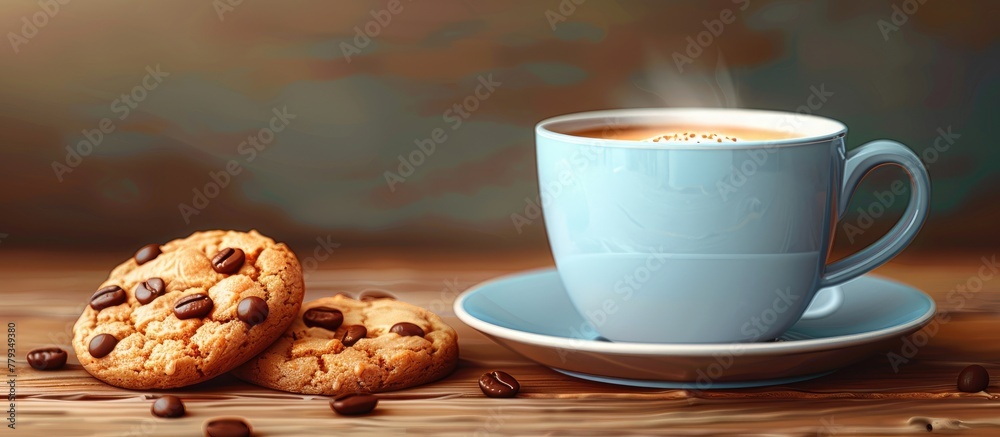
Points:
[834,128]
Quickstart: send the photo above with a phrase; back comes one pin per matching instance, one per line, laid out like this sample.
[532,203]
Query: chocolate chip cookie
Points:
[341,345]
[189,310]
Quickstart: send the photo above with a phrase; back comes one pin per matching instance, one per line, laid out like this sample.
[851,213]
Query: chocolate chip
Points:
[228,260]
[50,358]
[353,334]
[252,310]
[407,329]
[497,384]
[323,317]
[973,379]
[369,295]
[168,406]
[147,253]
[353,404]
[101,345]
[193,306]
[148,291]
[227,428]
[108,297]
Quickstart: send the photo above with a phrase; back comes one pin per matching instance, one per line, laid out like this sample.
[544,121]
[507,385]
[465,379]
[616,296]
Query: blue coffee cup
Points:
[682,242]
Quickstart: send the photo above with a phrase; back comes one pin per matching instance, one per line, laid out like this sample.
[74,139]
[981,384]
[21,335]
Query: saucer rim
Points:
[697,349]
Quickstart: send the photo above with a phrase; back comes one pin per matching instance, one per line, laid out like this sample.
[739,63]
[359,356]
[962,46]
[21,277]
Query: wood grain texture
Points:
[869,398]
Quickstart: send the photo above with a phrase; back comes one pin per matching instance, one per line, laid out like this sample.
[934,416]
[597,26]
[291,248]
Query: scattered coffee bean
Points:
[973,379]
[193,306]
[147,253]
[101,345]
[108,297]
[497,384]
[353,334]
[368,295]
[323,317]
[252,310]
[228,260]
[227,428]
[168,406]
[353,404]
[407,329]
[148,291]
[50,358]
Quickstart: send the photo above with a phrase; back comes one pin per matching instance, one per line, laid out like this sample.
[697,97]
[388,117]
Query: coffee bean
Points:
[147,253]
[973,379]
[497,384]
[323,317]
[228,260]
[227,428]
[101,345]
[353,404]
[353,334]
[148,291]
[371,294]
[108,297]
[252,310]
[193,306]
[407,329]
[168,406]
[50,358]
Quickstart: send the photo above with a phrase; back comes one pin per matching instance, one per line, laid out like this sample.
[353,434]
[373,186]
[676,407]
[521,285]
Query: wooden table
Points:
[43,294]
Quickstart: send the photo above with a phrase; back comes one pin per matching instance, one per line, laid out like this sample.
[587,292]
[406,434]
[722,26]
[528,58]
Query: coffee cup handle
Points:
[859,162]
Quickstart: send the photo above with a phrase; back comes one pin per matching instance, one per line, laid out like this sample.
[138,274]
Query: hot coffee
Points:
[660,239]
[682,133]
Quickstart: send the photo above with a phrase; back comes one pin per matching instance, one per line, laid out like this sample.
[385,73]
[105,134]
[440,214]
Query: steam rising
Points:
[699,85]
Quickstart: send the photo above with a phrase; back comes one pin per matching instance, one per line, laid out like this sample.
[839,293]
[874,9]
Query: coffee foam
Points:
[692,137]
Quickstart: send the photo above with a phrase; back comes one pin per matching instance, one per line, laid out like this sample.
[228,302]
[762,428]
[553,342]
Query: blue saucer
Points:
[530,313]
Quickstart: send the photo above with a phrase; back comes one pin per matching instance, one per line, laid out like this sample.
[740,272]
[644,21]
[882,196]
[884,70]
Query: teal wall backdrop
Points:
[410,122]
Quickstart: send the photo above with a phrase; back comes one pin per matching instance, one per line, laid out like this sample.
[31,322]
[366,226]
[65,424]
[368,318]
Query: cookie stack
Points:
[195,308]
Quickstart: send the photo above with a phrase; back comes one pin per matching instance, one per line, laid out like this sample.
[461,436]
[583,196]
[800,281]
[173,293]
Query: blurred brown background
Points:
[116,118]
